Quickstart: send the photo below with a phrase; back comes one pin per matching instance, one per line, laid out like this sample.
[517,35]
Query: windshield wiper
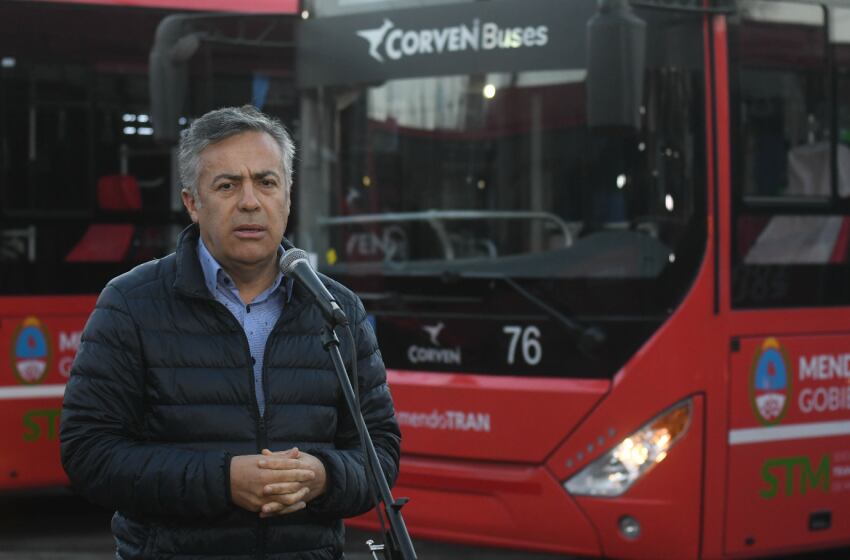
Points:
[588,339]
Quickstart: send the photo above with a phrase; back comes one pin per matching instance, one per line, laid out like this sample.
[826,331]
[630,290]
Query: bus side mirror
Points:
[173,47]
[616,58]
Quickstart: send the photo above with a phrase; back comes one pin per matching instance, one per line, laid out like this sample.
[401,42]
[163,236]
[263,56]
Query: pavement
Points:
[55,524]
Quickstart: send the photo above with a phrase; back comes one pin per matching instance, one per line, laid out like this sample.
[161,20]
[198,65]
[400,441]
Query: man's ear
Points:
[190,204]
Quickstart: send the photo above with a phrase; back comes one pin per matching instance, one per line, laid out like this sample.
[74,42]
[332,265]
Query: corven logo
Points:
[375,36]
[394,43]
[435,354]
[434,331]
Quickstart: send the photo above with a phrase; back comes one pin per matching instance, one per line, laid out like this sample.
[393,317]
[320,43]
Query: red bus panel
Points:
[39,338]
[512,419]
[789,451]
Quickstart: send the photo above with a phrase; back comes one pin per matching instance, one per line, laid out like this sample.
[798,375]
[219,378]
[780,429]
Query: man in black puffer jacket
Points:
[201,405]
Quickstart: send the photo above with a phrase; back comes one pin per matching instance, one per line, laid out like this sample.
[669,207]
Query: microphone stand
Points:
[399,545]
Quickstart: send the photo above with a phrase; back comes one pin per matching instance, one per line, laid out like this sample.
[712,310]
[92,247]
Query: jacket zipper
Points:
[262,437]
[262,433]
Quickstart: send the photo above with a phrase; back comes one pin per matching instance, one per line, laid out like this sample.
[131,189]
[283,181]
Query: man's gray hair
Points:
[223,123]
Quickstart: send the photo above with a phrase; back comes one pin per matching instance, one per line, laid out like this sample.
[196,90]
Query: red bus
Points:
[85,192]
[605,246]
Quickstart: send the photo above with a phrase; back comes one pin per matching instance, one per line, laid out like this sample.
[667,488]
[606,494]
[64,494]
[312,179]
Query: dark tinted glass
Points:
[792,164]
[85,193]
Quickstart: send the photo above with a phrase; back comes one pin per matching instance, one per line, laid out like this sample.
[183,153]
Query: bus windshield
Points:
[497,173]
[420,184]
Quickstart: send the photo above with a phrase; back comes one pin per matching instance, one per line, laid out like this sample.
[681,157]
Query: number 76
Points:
[532,351]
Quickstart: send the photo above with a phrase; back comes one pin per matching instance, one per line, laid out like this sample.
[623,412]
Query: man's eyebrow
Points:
[228,176]
[238,176]
[266,173]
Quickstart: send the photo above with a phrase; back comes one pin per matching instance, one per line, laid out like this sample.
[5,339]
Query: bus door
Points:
[789,416]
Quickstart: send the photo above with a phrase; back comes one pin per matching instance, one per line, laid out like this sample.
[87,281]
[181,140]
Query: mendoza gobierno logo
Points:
[31,351]
[389,42]
[770,384]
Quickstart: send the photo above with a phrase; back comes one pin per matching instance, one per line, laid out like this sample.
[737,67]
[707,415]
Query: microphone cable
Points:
[367,458]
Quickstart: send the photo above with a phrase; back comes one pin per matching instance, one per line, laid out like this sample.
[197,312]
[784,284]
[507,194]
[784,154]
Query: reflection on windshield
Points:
[380,243]
[500,173]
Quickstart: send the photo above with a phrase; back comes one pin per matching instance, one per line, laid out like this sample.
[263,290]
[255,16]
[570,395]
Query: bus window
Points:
[46,114]
[76,140]
[791,183]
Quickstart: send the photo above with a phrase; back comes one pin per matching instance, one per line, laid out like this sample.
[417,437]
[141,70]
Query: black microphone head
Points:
[290,257]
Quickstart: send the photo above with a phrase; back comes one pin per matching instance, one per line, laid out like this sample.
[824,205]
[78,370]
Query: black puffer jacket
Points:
[161,396]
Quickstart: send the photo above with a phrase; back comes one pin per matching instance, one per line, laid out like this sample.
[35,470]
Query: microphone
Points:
[295,264]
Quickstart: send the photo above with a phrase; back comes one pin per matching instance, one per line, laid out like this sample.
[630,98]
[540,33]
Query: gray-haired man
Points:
[201,404]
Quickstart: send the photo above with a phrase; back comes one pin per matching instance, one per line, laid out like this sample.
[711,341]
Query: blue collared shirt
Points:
[258,318]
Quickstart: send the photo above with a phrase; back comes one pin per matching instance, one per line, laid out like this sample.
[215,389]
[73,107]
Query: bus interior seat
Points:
[794,239]
[119,193]
[110,242]
[801,239]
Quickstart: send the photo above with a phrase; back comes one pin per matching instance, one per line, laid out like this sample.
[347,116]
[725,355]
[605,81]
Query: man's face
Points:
[243,203]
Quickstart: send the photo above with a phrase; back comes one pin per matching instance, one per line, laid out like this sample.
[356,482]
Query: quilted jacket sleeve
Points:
[103,448]
[347,493]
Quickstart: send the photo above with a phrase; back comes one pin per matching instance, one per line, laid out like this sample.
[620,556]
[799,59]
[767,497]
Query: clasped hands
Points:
[276,483]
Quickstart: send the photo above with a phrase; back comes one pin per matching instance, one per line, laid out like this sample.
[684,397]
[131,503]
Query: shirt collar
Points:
[215,275]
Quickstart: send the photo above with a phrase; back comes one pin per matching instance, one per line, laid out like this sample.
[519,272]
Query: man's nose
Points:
[248,200]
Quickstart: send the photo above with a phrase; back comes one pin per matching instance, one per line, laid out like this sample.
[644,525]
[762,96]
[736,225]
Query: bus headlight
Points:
[614,472]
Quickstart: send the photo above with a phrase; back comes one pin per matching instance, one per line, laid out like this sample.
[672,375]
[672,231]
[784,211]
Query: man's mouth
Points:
[250,230]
